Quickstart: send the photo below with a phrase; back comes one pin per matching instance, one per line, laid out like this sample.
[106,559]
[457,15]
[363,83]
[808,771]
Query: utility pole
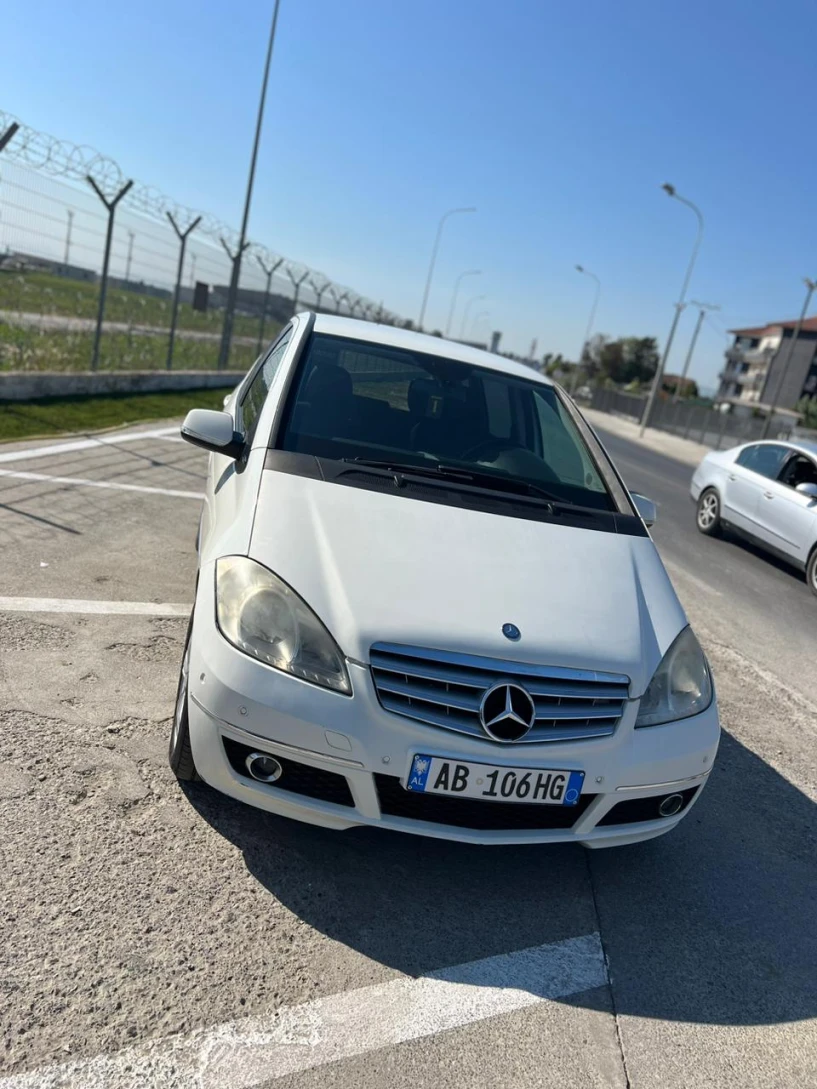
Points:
[703,307]
[232,291]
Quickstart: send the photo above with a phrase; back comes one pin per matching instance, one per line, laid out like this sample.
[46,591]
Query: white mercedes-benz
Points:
[427,602]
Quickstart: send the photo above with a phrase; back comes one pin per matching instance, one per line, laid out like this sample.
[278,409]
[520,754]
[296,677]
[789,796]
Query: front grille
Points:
[643,809]
[445,689]
[297,778]
[470,813]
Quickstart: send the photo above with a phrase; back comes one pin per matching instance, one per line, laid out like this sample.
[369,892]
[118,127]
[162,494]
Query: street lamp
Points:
[443,218]
[468,305]
[232,292]
[702,309]
[460,278]
[811,286]
[590,320]
[679,306]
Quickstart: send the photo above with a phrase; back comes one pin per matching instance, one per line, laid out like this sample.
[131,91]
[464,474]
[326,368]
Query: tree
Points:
[628,359]
[807,406]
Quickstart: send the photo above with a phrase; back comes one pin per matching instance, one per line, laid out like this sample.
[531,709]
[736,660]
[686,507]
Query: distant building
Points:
[756,361]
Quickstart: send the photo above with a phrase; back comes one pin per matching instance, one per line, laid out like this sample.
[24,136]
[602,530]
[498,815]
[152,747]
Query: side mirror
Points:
[807,489]
[646,508]
[212,431]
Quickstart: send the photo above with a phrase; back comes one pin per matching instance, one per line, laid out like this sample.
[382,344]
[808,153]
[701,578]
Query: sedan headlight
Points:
[261,615]
[680,687]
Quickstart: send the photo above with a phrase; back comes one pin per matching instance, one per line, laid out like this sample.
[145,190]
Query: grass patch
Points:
[44,350]
[60,415]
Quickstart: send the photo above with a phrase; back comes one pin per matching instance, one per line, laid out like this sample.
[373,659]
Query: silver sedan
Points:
[766,491]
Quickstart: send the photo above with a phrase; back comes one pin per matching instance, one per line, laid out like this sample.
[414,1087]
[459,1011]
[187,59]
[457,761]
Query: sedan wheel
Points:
[708,517]
[811,572]
[180,754]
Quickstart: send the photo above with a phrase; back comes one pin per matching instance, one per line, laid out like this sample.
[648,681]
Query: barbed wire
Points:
[61,159]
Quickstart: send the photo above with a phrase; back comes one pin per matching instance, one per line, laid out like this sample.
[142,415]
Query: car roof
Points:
[408,340]
[803,445]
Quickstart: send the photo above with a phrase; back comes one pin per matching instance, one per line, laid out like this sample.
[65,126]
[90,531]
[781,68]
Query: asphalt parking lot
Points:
[167,936]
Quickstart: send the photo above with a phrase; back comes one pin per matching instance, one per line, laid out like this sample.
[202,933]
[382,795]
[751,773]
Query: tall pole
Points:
[229,312]
[468,305]
[455,292]
[679,306]
[182,237]
[811,286]
[589,329]
[68,237]
[103,283]
[130,256]
[432,262]
[703,307]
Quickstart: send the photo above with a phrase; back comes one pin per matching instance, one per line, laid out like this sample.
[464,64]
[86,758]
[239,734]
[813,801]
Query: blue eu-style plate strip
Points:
[420,767]
[574,787]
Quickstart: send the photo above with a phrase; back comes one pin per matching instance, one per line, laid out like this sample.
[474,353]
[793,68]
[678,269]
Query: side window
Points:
[258,389]
[765,459]
[798,470]
[562,448]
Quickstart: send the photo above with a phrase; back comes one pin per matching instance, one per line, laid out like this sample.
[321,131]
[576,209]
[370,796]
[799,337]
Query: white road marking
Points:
[682,573]
[75,605]
[251,1052]
[85,444]
[83,482]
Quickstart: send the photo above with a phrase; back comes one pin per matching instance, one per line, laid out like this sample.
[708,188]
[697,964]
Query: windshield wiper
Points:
[465,476]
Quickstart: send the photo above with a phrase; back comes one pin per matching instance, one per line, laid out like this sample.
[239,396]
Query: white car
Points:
[426,602]
[766,491]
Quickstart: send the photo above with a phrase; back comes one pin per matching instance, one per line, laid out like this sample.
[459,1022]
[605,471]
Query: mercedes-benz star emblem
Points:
[507,712]
[510,631]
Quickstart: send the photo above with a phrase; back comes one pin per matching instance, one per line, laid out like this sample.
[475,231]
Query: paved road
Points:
[155,936]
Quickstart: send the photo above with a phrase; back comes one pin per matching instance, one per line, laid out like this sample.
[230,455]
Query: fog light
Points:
[263,767]
[672,804]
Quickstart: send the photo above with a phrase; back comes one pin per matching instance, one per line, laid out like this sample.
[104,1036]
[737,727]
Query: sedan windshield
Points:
[355,400]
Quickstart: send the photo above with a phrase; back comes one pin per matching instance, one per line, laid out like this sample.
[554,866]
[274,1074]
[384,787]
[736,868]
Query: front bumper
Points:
[237,699]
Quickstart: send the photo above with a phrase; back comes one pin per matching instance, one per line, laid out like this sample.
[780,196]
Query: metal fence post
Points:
[232,298]
[268,272]
[8,134]
[722,430]
[103,284]
[297,285]
[320,291]
[182,236]
[690,415]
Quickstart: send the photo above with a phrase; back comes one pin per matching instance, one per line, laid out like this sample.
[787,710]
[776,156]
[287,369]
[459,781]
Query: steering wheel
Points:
[488,449]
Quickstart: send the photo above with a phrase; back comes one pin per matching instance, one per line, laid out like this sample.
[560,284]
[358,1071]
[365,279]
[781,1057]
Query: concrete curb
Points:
[661,442]
[32,385]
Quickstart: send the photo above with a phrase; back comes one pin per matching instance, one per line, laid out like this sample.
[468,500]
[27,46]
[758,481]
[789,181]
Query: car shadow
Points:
[712,924]
[733,538]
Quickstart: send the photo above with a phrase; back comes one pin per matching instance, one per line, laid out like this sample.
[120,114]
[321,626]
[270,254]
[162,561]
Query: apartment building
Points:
[757,370]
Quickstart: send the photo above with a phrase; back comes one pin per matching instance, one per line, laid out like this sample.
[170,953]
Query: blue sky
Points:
[558,121]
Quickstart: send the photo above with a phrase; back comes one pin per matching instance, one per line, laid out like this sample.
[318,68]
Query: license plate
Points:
[461,779]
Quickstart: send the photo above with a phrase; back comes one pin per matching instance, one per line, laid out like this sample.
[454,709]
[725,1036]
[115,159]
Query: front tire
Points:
[708,513]
[180,753]
[811,571]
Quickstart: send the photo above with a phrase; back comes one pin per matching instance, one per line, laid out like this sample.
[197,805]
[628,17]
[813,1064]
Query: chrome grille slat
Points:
[445,689]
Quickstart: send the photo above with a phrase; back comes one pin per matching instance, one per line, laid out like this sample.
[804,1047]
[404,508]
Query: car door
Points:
[746,479]
[233,485]
[787,519]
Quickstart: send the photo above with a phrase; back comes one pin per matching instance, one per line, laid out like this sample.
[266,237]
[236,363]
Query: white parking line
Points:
[254,1051]
[83,482]
[85,444]
[75,605]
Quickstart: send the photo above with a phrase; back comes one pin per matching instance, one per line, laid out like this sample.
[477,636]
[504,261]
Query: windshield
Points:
[357,400]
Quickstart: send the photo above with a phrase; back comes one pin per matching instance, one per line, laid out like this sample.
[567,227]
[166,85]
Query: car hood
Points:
[377,567]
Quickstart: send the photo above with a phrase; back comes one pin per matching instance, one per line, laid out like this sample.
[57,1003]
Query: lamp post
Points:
[432,262]
[232,291]
[468,305]
[455,292]
[811,287]
[483,315]
[590,320]
[679,306]
[702,309]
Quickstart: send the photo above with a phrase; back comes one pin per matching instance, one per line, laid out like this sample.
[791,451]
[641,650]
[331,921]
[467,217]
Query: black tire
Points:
[811,571]
[708,513]
[180,754]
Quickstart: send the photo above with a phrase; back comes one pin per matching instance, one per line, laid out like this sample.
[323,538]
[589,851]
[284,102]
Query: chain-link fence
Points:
[53,243]
[701,423]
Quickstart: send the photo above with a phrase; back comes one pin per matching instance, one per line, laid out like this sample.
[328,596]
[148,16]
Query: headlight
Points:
[680,687]
[261,615]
